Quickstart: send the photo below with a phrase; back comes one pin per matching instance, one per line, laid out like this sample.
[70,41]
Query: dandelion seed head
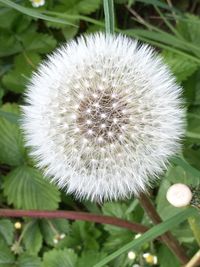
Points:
[103,116]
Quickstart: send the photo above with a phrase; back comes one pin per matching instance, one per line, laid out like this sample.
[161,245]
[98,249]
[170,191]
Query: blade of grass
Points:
[150,234]
[168,39]
[33,13]
[109,15]
[74,17]
[159,4]
[134,33]
[169,25]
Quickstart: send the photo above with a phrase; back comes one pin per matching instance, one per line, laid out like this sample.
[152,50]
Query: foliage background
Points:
[174,29]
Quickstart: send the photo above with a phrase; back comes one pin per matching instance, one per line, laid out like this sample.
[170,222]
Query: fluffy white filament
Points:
[103,116]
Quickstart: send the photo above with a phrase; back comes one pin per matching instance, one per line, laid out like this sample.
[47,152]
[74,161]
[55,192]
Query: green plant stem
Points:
[167,238]
[74,215]
[109,15]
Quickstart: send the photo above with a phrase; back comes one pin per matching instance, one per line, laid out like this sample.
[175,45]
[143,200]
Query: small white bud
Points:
[179,195]
[55,241]
[131,255]
[62,236]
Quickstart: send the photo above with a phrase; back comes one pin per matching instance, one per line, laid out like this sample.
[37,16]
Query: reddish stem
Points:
[74,215]
[167,237]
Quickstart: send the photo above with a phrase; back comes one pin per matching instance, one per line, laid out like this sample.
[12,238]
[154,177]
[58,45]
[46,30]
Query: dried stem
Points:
[74,215]
[195,260]
[167,238]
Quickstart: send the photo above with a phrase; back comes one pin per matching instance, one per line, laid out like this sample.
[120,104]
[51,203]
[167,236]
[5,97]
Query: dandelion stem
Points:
[167,238]
[109,15]
[74,215]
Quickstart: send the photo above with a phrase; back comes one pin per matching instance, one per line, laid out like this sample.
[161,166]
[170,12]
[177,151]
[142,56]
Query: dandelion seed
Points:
[137,115]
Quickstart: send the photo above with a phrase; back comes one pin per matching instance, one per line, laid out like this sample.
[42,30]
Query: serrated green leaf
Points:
[38,42]
[24,64]
[81,6]
[117,236]
[115,209]
[32,237]
[26,260]
[11,141]
[26,188]
[7,230]
[51,228]
[9,44]
[60,258]
[7,259]
[90,258]
[181,67]
[83,235]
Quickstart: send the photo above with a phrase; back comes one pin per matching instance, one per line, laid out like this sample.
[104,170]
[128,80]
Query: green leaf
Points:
[60,258]
[83,235]
[38,42]
[26,188]
[6,257]
[32,237]
[9,44]
[51,228]
[177,174]
[11,141]
[150,234]
[189,27]
[26,260]
[81,6]
[115,209]
[24,64]
[6,13]
[166,258]
[181,67]
[11,117]
[7,230]
[186,166]
[90,258]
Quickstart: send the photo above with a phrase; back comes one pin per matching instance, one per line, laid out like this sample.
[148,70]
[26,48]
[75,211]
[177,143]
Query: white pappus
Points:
[103,115]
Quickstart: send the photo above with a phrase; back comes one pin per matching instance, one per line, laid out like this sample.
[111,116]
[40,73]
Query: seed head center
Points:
[102,117]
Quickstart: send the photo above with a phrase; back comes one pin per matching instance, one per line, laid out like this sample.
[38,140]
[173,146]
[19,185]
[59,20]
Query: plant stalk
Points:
[108,6]
[167,238]
[74,215]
